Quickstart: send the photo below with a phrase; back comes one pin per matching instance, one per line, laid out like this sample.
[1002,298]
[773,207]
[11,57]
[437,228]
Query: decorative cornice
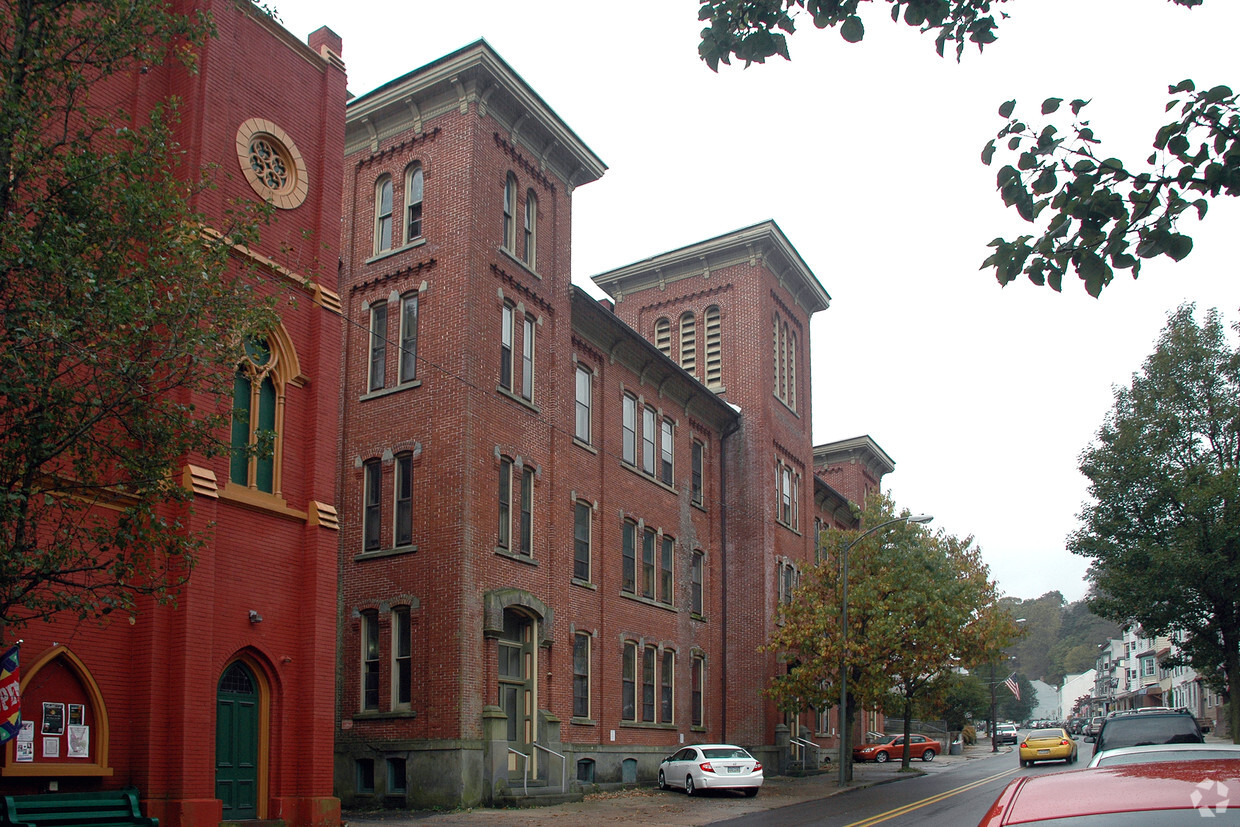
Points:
[394,149]
[762,245]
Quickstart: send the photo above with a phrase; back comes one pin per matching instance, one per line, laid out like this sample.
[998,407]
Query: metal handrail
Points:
[817,749]
[525,784]
[563,766]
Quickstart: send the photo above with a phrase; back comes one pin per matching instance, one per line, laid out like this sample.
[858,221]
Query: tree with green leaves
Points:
[919,604]
[1162,528]
[1092,215]
[121,321]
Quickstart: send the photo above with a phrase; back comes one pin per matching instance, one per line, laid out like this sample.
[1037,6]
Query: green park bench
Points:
[104,808]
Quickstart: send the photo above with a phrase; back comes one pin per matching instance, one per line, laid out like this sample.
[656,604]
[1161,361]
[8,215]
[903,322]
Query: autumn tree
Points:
[919,604]
[120,320]
[1162,527]
[1092,215]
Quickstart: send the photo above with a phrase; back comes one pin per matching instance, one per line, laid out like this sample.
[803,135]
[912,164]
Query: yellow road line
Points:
[917,805]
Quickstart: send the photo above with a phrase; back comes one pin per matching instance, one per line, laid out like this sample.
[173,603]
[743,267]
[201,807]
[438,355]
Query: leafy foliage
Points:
[1098,215]
[120,323]
[1094,215]
[753,30]
[1163,529]
[919,604]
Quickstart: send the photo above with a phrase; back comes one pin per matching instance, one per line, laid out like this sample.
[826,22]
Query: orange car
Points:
[892,746]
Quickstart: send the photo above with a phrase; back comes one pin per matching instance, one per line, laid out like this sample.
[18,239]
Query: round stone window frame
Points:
[292,193]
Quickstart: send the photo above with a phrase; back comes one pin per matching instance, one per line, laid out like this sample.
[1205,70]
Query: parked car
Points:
[1153,727]
[892,746]
[1006,734]
[711,767]
[1150,753]
[1166,793]
[1051,744]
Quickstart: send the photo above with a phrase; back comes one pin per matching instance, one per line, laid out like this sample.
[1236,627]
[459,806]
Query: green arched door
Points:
[236,743]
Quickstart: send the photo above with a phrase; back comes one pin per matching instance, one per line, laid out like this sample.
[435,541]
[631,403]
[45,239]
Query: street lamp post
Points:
[843,716]
[994,682]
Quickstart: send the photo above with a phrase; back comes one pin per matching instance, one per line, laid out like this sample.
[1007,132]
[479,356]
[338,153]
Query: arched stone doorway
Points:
[240,742]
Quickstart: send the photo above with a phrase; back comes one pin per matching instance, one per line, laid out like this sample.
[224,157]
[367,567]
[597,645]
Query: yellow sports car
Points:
[1047,745]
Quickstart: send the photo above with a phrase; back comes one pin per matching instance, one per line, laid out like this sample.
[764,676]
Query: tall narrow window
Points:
[663,336]
[510,213]
[666,471]
[527,511]
[628,682]
[648,439]
[697,677]
[648,538]
[378,345]
[527,359]
[714,348]
[688,343]
[628,550]
[648,661]
[372,513]
[402,534]
[785,494]
[699,462]
[667,672]
[696,567]
[370,661]
[581,675]
[665,569]
[402,658]
[506,322]
[413,203]
[629,443]
[383,214]
[255,444]
[581,541]
[409,338]
[530,251]
[584,397]
[792,370]
[505,503]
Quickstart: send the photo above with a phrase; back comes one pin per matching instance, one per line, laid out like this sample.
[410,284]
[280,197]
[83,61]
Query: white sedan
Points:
[711,767]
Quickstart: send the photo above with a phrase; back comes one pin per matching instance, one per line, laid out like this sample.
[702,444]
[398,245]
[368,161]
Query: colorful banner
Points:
[10,696]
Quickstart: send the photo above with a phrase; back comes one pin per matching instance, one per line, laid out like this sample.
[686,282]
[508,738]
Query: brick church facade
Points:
[567,525]
[221,707]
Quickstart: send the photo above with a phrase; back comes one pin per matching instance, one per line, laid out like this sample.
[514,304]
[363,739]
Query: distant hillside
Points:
[1060,639]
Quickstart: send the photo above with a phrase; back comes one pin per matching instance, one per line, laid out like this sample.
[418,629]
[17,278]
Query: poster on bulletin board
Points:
[53,719]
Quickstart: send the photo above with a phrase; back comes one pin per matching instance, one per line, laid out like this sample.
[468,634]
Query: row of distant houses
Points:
[1133,671]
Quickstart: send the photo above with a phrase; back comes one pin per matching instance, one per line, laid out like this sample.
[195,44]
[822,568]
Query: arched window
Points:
[510,213]
[259,385]
[714,348]
[383,214]
[413,203]
[663,336]
[688,343]
[531,230]
[254,434]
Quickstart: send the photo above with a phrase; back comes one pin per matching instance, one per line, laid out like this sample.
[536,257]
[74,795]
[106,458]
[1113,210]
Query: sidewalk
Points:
[652,806]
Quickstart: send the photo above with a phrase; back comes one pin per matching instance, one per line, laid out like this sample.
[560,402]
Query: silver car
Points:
[711,767]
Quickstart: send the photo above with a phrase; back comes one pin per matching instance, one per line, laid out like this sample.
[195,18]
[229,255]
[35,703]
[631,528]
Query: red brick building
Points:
[567,524]
[221,708]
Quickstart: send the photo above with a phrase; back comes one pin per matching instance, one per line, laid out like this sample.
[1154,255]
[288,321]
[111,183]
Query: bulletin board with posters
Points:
[64,728]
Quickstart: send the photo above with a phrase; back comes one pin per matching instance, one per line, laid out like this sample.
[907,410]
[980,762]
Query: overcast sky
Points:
[867,156]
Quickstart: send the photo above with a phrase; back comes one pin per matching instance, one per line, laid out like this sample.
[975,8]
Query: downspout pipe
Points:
[723,539]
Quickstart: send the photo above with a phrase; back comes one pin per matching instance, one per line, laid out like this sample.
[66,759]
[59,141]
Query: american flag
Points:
[1011,684]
